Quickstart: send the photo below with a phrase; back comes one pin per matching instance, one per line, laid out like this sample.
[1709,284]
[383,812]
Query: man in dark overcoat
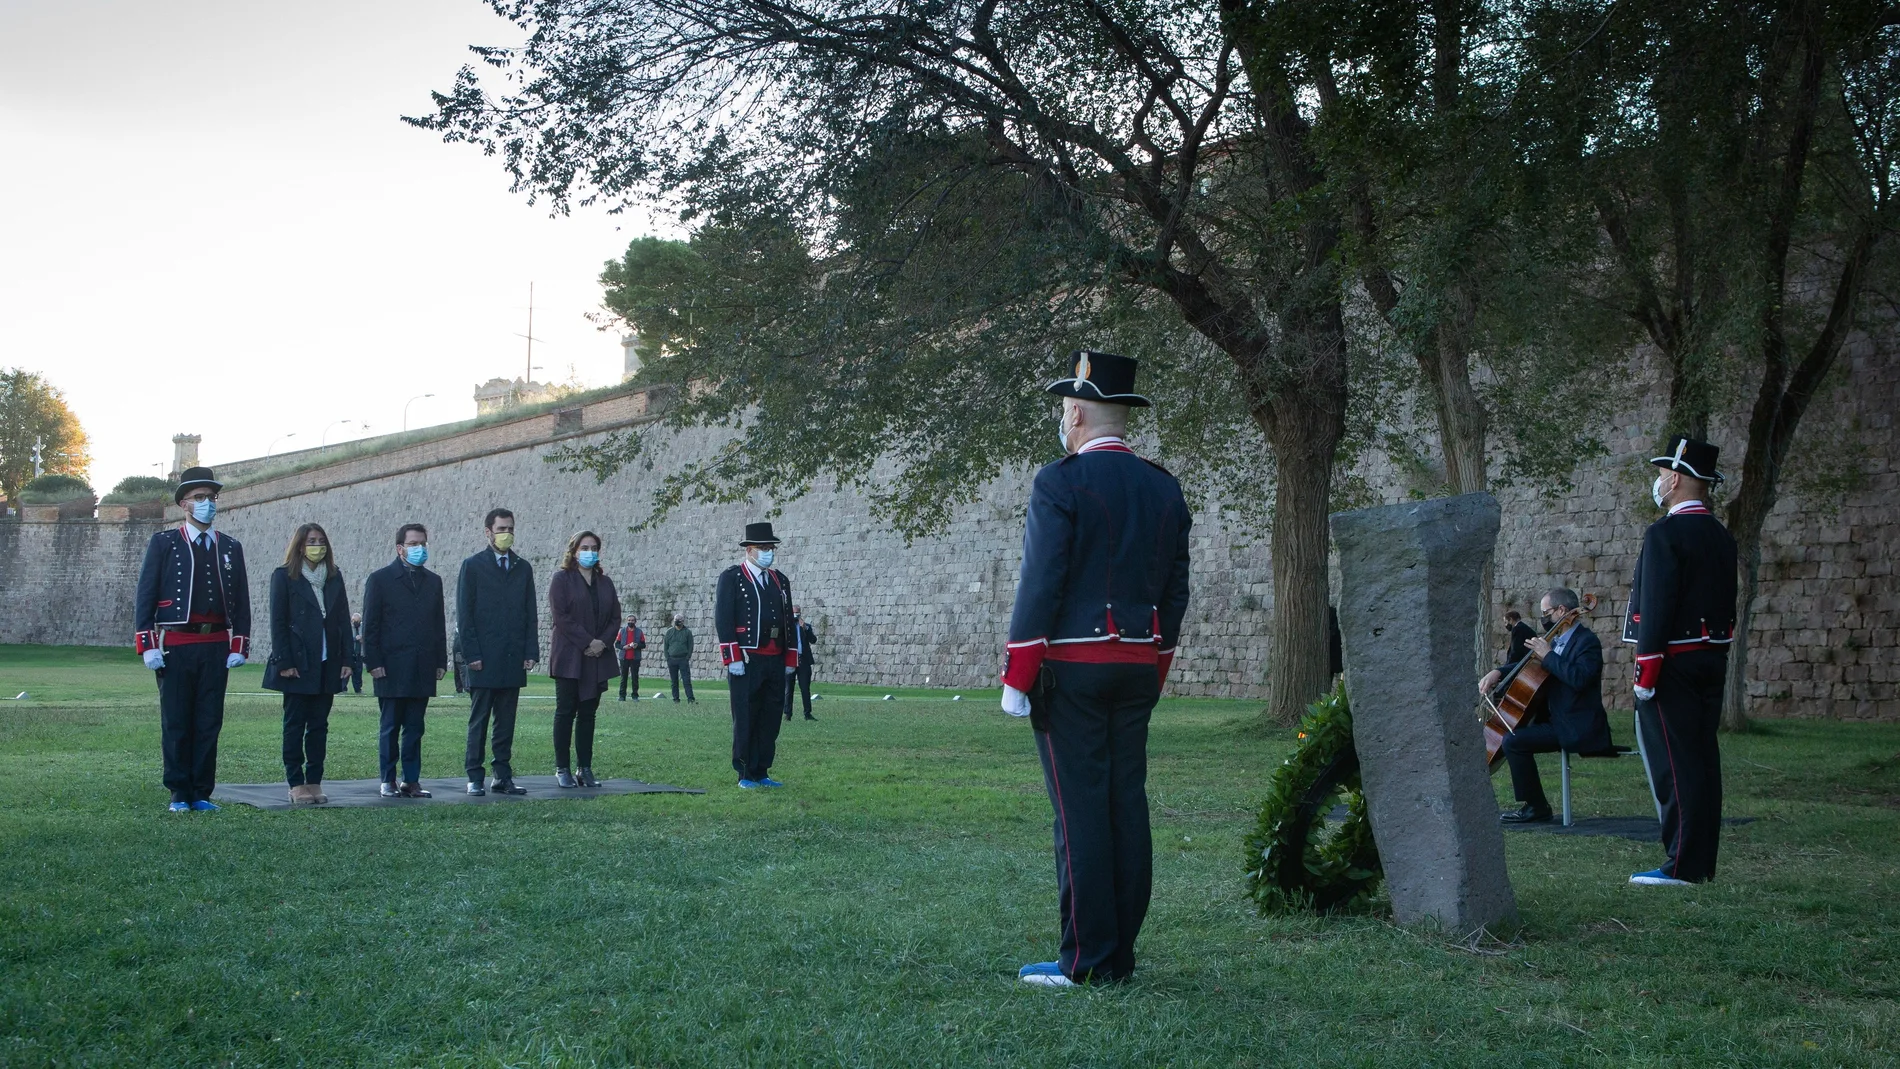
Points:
[752,613]
[192,615]
[1576,722]
[406,648]
[1104,587]
[497,612]
[1681,620]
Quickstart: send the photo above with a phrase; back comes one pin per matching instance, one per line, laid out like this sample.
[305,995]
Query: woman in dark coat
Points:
[585,612]
[310,653]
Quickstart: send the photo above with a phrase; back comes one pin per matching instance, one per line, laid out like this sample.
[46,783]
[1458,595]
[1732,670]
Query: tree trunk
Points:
[1748,580]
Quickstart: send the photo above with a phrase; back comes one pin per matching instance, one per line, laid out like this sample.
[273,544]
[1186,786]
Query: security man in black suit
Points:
[1576,723]
[1682,619]
[752,613]
[1098,611]
[193,619]
[406,646]
[800,678]
[498,623]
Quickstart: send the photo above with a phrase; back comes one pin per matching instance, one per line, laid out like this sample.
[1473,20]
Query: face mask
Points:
[204,511]
[1548,621]
[505,541]
[314,554]
[765,558]
[1062,431]
[1656,491]
[587,558]
[415,555]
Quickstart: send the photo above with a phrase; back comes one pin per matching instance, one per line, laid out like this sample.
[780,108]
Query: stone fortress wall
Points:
[888,613]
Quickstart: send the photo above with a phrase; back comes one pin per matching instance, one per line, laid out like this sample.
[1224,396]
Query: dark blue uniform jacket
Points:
[165,580]
[1683,595]
[1105,563]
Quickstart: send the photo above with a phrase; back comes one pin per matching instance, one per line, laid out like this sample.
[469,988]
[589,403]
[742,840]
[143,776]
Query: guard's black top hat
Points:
[759,534]
[1692,457]
[191,479]
[1103,377]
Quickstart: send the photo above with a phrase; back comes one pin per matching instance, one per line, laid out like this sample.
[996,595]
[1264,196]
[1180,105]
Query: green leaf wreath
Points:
[1292,865]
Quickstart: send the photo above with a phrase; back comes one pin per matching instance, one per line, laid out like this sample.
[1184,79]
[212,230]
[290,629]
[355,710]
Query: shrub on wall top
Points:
[138,489]
[54,490]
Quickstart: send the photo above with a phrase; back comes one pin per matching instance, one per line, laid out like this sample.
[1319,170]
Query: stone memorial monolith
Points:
[1409,579]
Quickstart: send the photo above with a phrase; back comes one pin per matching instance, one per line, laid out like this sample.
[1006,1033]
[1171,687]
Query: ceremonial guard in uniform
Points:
[1682,619]
[1098,612]
[193,616]
[752,613]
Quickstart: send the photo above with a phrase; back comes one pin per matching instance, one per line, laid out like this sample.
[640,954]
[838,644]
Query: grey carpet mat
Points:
[1639,829]
[361,792]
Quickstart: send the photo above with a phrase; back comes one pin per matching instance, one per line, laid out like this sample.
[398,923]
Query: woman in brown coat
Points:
[585,611]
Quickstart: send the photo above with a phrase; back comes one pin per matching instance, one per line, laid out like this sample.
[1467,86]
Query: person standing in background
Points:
[192,612]
[498,623]
[628,642]
[801,677]
[583,609]
[310,654]
[1520,634]
[677,646]
[406,647]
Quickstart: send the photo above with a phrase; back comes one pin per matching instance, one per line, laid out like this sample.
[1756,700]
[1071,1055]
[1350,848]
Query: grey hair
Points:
[1562,597]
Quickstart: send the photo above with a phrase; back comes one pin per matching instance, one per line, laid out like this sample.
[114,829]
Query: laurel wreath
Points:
[1297,861]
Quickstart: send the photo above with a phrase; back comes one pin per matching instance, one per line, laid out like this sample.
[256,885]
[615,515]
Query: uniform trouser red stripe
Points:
[1685,762]
[1095,767]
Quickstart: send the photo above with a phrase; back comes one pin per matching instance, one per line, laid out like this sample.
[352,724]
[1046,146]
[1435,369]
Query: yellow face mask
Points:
[505,541]
[315,554]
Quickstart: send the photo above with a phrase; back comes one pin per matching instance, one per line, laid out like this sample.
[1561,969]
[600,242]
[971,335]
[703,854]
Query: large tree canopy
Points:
[33,414]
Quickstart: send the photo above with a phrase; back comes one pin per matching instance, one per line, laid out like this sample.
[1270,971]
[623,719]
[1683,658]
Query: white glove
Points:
[154,659]
[1015,702]
[234,660]
[736,668]
[1644,694]
[789,669]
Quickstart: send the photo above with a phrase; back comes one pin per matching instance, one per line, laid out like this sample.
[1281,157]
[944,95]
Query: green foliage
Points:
[1293,866]
[33,413]
[54,489]
[137,490]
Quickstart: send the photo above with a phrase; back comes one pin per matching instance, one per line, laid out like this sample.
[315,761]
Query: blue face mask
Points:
[765,558]
[204,511]
[587,558]
[415,555]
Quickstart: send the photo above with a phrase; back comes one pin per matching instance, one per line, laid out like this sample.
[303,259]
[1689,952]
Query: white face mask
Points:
[1062,429]
[1656,490]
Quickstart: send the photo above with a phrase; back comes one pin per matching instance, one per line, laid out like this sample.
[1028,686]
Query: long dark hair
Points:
[294,558]
[569,564]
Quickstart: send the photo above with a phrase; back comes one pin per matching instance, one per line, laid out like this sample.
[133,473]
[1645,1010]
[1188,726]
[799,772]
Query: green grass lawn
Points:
[875,912]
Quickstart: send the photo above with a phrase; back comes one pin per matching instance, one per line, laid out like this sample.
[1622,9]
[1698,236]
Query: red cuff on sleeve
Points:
[1648,669]
[143,641]
[1023,663]
[1162,663]
[241,645]
[791,658]
[730,652]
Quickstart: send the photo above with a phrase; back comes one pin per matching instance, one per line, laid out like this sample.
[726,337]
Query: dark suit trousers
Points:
[758,697]
[573,719]
[1095,767]
[190,715]
[498,704]
[307,734]
[1520,750]
[681,671]
[1685,763]
[401,735]
[799,680]
[630,671]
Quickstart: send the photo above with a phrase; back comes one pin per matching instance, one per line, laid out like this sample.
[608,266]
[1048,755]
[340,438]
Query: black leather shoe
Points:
[564,778]
[1529,814]
[506,786]
[808,716]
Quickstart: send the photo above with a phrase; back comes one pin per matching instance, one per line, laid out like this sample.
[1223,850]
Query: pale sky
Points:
[213,221]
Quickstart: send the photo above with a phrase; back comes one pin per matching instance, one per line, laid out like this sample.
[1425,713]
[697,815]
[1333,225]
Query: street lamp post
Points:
[274,441]
[324,442]
[405,408]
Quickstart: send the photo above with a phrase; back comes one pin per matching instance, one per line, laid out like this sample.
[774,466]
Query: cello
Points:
[1520,696]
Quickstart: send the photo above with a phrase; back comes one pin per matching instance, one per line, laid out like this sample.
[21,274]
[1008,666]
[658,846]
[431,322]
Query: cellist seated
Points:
[1577,723]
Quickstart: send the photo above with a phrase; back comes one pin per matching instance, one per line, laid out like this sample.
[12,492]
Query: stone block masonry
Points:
[891,614]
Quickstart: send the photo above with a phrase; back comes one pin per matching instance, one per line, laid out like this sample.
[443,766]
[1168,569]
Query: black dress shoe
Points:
[1528,814]
[506,786]
[808,716]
